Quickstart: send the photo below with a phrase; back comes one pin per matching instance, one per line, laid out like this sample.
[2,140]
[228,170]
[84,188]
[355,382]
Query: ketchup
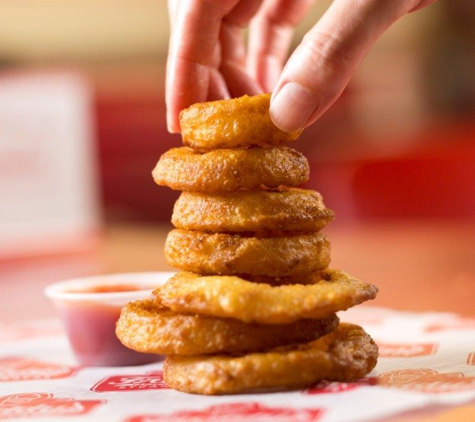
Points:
[91,330]
[109,288]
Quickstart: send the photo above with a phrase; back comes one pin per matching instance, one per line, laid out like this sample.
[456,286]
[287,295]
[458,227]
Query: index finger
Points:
[192,54]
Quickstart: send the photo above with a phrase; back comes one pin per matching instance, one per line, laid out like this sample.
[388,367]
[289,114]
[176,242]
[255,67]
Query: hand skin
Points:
[208,59]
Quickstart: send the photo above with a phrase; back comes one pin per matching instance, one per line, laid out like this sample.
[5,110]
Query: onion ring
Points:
[222,253]
[229,170]
[234,297]
[283,209]
[236,123]
[148,327]
[344,355]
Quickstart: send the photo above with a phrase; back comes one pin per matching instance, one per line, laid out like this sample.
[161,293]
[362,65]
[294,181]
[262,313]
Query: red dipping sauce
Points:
[90,308]
[112,288]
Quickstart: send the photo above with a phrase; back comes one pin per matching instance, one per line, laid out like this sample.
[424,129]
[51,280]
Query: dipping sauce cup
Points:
[89,308]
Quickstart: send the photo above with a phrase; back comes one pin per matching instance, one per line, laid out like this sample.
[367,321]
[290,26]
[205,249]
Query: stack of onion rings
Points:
[254,305]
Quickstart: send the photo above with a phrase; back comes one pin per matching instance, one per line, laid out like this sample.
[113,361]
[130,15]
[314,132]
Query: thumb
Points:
[320,68]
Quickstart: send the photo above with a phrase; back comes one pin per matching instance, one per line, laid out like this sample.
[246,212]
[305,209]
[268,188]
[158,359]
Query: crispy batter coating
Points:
[254,309]
[346,354]
[222,253]
[149,327]
[283,209]
[229,170]
[234,297]
[236,123]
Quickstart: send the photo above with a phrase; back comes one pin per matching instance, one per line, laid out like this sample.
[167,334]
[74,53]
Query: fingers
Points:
[233,57]
[217,88]
[313,78]
[192,53]
[322,65]
[271,32]
[233,60]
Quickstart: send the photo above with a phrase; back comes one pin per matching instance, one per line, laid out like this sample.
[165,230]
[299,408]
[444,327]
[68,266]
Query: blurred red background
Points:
[399,143]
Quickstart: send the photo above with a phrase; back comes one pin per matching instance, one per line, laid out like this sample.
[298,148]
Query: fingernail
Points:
[172,125]
[292,107]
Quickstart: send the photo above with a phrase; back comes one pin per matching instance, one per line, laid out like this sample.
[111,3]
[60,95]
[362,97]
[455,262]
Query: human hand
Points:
[208,59]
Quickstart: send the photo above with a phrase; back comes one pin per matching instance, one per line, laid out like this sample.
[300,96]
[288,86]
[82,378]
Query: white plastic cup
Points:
[89,308]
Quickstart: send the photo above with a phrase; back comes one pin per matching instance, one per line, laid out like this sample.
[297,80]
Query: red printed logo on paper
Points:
[20,369]
[149,381]
[400,350]
[35,405]
[327,387]
[252,412]
[460,323]
[427,381]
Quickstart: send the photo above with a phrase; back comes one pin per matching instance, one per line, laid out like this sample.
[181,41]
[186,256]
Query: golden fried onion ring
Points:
[284,209]
[234,297]
[345,355]
[148,327]
[235,123]
[229,170]
[222,253]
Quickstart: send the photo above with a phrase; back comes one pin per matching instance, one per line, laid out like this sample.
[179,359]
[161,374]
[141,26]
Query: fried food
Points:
[234,297]
[150,327]
[254,308]
[283,209]
[236,123]
[222,253]
[229,170]
[346,354]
